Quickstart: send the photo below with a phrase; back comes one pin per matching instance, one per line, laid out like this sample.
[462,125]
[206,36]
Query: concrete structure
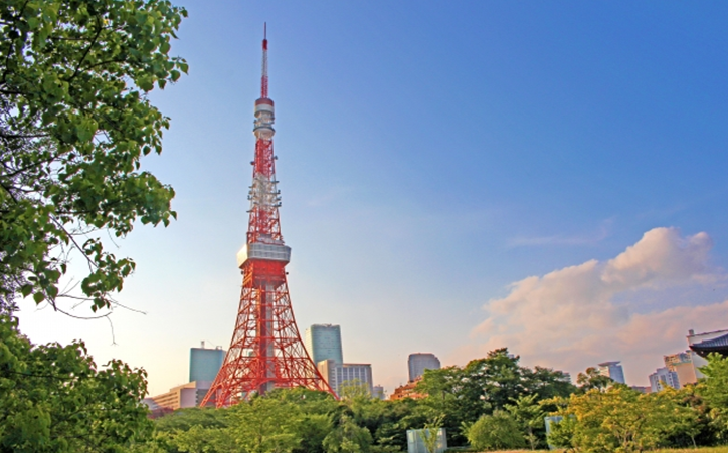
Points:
[186,395]
[663,378]
[682,364]
[612,370]
[205,363]
[418,363]
[323,342]
[337,375]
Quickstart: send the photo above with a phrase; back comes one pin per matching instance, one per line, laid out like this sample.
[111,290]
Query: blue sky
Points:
[433,157]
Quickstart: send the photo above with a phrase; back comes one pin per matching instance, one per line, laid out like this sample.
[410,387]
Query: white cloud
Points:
[577,316]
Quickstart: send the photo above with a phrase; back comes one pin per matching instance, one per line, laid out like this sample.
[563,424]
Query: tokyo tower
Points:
[266,350]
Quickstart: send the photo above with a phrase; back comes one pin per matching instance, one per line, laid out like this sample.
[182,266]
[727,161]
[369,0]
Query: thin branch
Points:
[88,49]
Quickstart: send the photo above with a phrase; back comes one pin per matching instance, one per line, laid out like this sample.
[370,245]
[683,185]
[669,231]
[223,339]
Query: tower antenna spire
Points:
[264,66]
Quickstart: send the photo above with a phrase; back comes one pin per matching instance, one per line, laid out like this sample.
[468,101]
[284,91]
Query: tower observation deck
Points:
[266,350]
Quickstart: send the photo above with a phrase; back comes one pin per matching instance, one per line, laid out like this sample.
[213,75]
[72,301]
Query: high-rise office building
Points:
[418,363]
[682,364]
[205,363]
[663,378]
[323,342]
[612,370]
[337,375]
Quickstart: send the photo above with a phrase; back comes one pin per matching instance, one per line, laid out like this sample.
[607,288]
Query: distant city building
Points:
[682,364]
[663,378]
[323,342]
[641,389]
[407,390]
[612,370]
[186,395]
[205,363]
[378,392]
[418,363]
[338,374]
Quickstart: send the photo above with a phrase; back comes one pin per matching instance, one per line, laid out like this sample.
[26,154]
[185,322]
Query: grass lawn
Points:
[723,449]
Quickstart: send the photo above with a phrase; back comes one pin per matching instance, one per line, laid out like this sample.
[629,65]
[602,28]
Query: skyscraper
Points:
[418,363]
[205,363]
[612,370]
[323,342]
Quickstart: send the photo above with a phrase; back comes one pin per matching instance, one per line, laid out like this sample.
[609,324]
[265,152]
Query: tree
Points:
[430,432]
[354,389]
[495,432]
[185,419]
[54,399]
[75,122]
[529,414]
[592,379]
[714,389]
[485,385]
[265,425]
[621,419]
[348,438]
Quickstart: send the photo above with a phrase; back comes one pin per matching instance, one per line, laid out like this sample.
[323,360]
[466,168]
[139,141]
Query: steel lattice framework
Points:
[266,350]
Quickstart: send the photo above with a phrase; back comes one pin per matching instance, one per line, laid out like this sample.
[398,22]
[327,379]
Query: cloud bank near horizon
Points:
[597,311]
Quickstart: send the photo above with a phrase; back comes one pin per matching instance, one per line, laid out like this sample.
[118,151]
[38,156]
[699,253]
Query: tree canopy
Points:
[75,122]
[54,398]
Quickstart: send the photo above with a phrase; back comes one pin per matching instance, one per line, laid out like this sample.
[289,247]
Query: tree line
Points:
[55,398]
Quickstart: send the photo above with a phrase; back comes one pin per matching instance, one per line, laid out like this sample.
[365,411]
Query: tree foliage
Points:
[615,418]
[714,390]
[483,386]
[529,414]
[75,121]
[54,398]
[621,419]
[498,431]
[591,379]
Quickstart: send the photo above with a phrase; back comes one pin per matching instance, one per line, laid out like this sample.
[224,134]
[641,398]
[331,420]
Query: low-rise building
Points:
[186,395]
[407,390]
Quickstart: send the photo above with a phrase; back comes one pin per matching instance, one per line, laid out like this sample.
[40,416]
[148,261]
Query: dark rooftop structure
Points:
[717,344]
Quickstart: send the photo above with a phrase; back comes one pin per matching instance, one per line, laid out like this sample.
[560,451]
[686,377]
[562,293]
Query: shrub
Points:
[496,432]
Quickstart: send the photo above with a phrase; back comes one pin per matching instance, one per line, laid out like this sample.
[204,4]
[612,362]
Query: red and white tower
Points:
[266,350]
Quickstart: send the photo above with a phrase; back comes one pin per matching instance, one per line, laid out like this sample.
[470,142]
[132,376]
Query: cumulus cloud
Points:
[596,311]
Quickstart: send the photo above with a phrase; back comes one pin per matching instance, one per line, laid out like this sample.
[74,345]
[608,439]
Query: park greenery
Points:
[75,123]
[492,403]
